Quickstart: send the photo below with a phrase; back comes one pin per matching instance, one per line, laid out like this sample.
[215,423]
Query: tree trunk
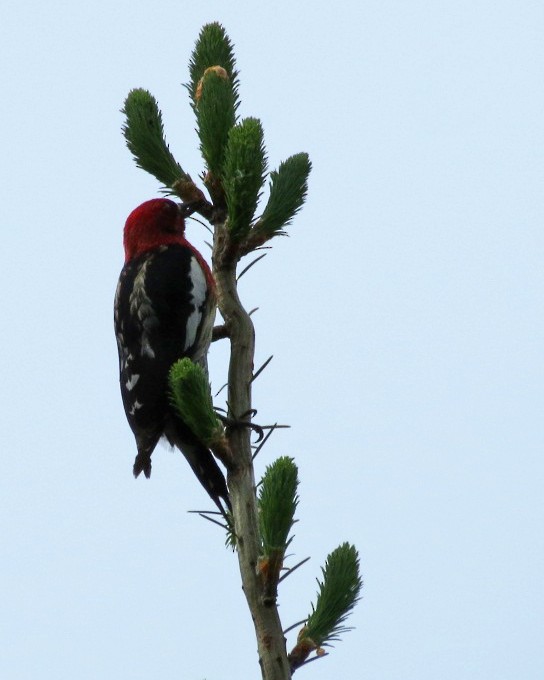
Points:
[241,481]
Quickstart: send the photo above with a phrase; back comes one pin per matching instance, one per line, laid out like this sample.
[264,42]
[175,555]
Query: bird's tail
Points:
[142,463]
[202,462]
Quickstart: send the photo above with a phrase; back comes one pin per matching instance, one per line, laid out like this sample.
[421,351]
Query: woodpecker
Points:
[164,310]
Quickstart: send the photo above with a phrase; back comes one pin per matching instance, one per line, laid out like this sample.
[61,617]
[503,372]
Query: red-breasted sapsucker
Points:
[164,310]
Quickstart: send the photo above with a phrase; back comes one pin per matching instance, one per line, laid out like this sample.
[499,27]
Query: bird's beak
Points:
[187,209]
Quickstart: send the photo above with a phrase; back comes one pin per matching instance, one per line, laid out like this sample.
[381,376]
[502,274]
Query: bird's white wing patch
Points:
[198,297]
[131,382]
[142,308]
[135,406]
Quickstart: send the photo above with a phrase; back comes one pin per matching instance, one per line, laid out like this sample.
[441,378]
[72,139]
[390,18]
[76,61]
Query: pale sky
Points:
[404,314]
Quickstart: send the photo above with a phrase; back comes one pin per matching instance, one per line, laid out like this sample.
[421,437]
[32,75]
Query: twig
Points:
[219,392]
[263,442]
[261,369]
[250,265]
[202,223]
[314,658]
[204,515]
[298,623]
[292,569]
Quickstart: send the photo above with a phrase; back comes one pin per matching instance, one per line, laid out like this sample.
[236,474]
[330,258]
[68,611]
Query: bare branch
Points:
[220,332]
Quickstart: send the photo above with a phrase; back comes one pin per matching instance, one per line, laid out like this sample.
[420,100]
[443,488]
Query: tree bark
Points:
[241,481]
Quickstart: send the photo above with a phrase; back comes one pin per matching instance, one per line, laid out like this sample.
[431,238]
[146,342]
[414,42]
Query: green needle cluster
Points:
[338,593]
[190,393]
[234,153]
[213,48]
[144,134]
[215,115]
[288,189]
[277,504]
[244,175]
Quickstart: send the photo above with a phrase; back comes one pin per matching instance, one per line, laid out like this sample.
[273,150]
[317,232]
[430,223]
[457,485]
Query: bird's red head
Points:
[154,223]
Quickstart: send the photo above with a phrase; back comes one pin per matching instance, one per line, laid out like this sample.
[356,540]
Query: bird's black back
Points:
[163,312]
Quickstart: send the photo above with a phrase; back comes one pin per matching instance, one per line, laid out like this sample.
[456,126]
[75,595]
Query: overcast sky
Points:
[404,314]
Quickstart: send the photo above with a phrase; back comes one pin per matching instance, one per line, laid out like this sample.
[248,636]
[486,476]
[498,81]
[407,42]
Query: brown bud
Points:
[188,191]
[263,566]
[218,70]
